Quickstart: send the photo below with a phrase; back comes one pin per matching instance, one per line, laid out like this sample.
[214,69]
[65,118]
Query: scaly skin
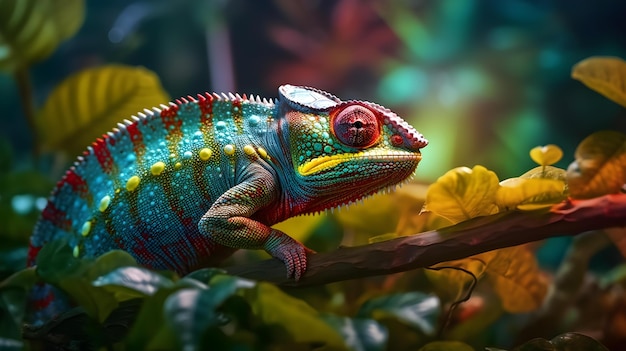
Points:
[184,186]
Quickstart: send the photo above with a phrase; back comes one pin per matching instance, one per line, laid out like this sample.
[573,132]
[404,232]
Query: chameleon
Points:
[184,185]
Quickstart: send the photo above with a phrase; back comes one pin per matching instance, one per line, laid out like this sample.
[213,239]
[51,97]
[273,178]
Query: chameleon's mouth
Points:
[320,164]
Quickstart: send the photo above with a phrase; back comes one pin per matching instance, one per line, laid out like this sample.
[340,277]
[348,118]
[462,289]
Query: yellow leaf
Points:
[606,75]
[30,30]
[514,192]
[546,155]
[451,284]
[463,193]
[517,280]
[90,103]
[600,166]
[547,172]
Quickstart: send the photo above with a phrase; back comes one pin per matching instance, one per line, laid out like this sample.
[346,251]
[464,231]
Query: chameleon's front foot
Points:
[291,252]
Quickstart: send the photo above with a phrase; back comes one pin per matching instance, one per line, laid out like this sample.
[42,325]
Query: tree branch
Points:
[459,241]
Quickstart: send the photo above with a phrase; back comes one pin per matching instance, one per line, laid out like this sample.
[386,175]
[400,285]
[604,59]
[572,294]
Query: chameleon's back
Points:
[184,156]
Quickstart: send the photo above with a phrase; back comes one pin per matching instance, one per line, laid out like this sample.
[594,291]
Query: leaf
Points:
[450,284]
[605,75]
[150,332]
[517,280]
[30,30]
[130,282]
[546,155]
[600,166]
[463,193]
[529,194]
[293,320]
[360,334]
[190,312]
[576,341]
[90,103]
[567,341]
[418,310]
[446,346]
[55,262]
[545,172]
[618,236]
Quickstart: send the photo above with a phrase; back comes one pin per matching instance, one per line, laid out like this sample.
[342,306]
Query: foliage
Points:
[74,116]
[125,306]
[30,30]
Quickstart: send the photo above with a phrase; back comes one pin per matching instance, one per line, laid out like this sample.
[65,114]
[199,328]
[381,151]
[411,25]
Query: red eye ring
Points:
[356,126]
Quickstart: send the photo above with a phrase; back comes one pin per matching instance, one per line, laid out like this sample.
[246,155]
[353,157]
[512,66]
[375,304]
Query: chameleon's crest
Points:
[308,99]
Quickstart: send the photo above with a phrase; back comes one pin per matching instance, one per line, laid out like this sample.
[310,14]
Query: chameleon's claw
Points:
[292,253]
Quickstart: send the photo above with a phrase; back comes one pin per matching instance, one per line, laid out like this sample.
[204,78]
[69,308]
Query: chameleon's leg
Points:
[228,223]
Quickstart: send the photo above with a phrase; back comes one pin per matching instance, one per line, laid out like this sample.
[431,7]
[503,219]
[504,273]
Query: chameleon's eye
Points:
[356,126]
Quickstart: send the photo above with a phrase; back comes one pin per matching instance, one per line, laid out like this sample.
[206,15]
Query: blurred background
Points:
[483,80]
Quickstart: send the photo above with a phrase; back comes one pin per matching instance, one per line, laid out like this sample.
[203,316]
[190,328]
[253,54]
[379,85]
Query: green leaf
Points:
[30,30]
[360,334]
[446,346]
[463,193]
[577,342]
[600,166]
[606,75]
[567,341]
[13,296]
[205,274]
[56,262]
[131,282]
[293,320]
[418,310]
[90,103]
[7,344]
[150,332]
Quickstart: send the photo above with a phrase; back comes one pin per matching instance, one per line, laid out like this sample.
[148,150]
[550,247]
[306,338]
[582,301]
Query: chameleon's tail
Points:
[44,303]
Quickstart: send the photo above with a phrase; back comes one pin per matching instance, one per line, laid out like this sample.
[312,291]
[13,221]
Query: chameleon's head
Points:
[345,150]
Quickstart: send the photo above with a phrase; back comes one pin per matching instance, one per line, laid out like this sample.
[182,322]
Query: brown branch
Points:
[459,241]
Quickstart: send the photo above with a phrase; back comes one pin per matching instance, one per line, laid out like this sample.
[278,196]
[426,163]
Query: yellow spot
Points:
[104,203]
[205,154]
[86,228]
[76,251]
[249,150]
[117,191]
[229,149]
[132,183]
[262,152]
[157,168]
[178,165]
[172,155]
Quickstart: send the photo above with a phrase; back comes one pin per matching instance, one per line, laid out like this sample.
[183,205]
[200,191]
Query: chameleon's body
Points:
[183,186]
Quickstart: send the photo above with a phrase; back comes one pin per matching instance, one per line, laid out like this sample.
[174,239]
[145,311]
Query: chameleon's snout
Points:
[404,135]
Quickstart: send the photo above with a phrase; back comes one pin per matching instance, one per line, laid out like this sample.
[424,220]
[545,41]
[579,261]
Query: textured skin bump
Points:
[183,186]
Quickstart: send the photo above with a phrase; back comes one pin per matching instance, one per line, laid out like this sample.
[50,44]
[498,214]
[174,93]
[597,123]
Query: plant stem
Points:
[22,78]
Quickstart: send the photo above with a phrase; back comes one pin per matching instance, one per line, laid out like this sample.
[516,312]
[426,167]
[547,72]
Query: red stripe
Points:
[137,138]
[31,256]
[205,102]
[103,154]
[41,304]
[57,217]
[77,183]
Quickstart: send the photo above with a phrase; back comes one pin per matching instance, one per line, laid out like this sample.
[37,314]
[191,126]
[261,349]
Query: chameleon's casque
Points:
[183,186]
